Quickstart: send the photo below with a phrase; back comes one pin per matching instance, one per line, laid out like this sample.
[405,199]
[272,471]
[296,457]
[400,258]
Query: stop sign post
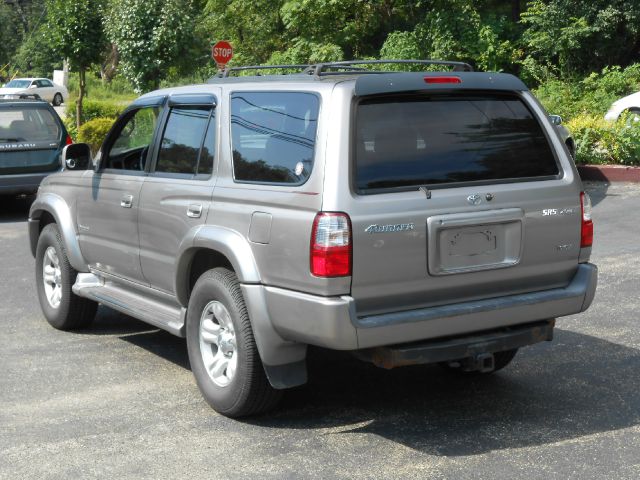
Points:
[222,52]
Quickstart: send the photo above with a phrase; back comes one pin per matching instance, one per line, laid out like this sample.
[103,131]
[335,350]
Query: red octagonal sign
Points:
[222,52]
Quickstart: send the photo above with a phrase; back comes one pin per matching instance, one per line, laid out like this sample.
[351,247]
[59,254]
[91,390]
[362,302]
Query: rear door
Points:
[44,89]
[30,139]
[457,196]
[176,196]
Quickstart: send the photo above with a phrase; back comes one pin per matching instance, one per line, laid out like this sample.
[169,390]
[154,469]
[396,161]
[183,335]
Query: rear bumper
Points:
[333,322]
[471,348]
[21,183]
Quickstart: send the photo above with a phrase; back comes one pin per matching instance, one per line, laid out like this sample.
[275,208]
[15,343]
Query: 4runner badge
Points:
[399,227]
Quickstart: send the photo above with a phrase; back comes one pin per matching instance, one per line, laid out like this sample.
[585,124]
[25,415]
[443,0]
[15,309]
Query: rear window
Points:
[273,136]
[28,125]
[18,84]
[431,140]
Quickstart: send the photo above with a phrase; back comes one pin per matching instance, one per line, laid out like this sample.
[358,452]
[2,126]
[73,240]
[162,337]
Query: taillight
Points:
[441,79]
[69,140]
[331,245]
[586,233]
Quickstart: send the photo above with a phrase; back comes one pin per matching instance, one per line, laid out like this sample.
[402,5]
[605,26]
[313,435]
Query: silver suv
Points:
[406,217]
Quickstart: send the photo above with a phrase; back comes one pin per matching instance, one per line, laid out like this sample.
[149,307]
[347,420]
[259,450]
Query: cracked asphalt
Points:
[119,401]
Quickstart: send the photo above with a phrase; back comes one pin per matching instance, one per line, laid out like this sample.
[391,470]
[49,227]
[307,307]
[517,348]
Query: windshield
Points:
[427,140]
[28,124]
[18,84]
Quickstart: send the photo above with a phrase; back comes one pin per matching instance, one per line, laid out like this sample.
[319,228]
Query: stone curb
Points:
[609,173]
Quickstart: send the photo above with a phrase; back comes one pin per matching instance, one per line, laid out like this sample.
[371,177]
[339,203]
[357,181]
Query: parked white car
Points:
[43,87]
[630,103]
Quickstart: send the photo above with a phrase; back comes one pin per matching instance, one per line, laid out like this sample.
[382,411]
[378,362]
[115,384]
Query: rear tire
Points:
[57,100]
[633,116]
[55,276]
[222,349]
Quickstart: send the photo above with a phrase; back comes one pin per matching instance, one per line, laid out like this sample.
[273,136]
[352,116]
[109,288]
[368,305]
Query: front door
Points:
[108,207]
[176,195]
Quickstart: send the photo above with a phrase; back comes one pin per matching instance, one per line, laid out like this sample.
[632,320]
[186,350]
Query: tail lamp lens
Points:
[331,245]
[69,140]
[586,234]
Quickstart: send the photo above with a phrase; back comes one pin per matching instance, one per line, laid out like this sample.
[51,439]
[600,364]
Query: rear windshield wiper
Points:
[11,139]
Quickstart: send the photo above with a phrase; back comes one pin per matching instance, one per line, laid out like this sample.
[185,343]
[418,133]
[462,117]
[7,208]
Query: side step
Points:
[155,311]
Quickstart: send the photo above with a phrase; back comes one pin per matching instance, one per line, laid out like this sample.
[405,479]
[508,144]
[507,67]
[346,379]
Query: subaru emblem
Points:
[474,199]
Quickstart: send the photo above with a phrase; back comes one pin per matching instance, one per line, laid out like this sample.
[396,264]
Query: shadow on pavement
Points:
[597,191]
[140,334]
[579,385]
[15,209]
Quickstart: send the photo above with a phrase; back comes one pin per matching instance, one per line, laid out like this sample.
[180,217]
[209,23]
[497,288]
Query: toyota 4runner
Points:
[407,217]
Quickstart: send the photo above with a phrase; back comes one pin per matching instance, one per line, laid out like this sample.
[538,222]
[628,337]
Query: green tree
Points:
[75,30]
[255,29]
[10,34]
[36,56]
[575,37]
[455,30]
[151,36]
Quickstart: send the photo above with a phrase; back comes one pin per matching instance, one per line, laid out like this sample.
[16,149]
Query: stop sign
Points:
[222,52]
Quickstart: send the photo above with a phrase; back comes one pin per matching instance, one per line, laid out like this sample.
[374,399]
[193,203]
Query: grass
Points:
[118,90]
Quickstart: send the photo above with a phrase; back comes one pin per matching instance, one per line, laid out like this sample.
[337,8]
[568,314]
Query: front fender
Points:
[229,243]
[61,212]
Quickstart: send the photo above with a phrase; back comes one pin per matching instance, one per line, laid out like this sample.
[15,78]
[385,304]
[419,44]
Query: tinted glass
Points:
[207,156]
[129,151]
[182,139]
[273,136]
[434,140]
[28,125]
[18,84]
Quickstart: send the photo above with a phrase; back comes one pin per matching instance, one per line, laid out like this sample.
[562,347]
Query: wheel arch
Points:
[209,247]
[212,246]
[50,208]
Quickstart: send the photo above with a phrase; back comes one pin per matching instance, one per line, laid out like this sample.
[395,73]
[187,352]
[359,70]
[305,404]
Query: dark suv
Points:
[31,139]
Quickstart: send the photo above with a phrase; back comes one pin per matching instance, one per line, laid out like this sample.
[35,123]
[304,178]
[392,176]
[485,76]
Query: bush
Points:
[601,142]
[94,132]
[92,109]
[592,95]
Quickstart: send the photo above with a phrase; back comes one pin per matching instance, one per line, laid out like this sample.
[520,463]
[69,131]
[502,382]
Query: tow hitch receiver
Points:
[483,363]
[470,353]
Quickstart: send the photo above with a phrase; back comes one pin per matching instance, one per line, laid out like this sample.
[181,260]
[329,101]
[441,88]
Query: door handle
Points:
[194,210]
[126,201]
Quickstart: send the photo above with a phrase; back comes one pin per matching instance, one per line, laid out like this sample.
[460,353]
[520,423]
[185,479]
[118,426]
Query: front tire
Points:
[57,100]
[222,349]
[55,276]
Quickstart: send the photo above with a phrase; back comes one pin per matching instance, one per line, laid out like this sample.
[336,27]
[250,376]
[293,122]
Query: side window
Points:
[46,83]
[129,150]
[205,165]
[273,136]
[182,141]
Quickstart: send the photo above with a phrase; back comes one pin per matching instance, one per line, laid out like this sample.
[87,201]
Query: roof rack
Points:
[227,71]
[342,67]
[321,68]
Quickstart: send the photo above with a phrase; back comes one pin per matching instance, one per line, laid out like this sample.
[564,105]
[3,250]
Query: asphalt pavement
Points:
[119,401]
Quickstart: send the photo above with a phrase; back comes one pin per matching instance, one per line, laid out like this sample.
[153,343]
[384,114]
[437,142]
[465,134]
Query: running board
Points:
[154,311]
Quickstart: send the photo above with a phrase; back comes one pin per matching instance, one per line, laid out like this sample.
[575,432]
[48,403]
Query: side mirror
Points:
[555,119]
[33,86]
[76,156]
